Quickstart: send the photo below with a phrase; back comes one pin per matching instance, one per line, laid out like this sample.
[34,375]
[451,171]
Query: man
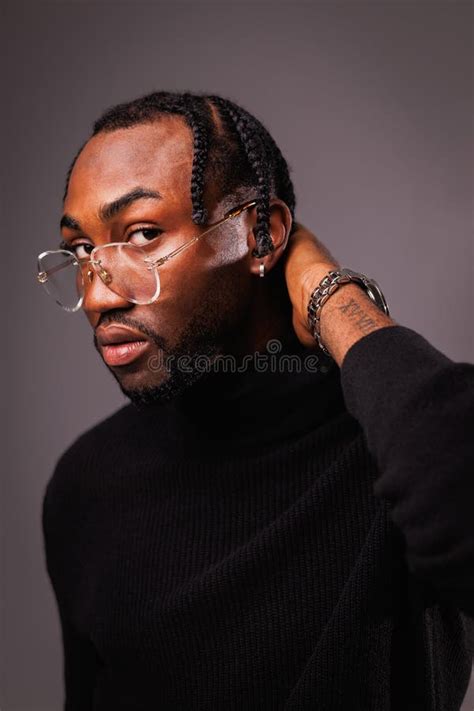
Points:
[250,536]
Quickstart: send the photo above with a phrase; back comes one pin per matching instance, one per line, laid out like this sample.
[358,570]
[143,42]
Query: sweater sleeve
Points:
[80,660]
[80,666]
[416,408]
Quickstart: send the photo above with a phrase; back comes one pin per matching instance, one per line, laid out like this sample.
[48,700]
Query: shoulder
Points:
[73,467]
[97,436]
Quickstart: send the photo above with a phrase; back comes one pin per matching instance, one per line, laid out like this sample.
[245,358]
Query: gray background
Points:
[371,104]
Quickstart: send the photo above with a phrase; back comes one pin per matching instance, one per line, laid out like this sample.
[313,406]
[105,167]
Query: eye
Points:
[81,250]
[144,235]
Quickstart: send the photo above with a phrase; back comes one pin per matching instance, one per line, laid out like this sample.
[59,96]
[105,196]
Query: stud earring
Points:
[262,269]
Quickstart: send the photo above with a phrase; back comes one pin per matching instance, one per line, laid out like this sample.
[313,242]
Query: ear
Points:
[280,227]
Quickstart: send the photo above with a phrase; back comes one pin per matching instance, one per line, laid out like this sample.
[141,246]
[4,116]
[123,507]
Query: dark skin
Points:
[212,298]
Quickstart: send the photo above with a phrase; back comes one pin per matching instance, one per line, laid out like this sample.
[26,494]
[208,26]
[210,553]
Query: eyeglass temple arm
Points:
[235,212]
[43,276]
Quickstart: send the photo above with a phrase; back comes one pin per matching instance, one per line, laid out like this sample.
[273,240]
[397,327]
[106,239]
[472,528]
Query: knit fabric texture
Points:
[274,540]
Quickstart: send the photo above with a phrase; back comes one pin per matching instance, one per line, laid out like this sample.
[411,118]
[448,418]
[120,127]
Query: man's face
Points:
[205,291]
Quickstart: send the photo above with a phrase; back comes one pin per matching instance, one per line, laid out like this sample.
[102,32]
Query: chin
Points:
[146,390]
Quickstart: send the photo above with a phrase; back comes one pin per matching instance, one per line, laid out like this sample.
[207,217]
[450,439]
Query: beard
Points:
[190,359]
[178,379]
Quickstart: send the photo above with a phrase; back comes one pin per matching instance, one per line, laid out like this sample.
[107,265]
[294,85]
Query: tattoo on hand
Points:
[362,321]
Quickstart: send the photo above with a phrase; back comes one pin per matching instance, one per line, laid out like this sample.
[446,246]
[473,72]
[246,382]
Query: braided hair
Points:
[230,148]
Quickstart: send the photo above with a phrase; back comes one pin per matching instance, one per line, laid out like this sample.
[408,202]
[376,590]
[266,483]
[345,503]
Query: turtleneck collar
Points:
[251,409]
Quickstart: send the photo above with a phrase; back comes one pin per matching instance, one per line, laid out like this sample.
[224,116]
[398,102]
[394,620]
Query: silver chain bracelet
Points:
[328,285]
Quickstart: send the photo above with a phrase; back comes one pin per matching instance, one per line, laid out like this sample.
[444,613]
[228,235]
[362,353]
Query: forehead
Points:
[155,155]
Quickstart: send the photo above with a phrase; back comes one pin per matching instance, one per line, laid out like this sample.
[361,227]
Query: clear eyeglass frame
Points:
[149,263]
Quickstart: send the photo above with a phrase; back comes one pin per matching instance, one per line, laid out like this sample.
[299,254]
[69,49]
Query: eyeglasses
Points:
[125,268]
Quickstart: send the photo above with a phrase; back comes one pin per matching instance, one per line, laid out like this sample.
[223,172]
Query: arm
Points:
[416,408]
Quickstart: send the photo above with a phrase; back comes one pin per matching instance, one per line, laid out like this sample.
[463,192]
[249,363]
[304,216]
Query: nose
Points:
[98,297]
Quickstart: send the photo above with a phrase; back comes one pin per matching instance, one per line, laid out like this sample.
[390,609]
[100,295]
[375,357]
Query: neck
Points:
[267,318]
[256,403]
[266,389]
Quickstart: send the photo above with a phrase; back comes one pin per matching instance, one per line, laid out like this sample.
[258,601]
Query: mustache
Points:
[123,320]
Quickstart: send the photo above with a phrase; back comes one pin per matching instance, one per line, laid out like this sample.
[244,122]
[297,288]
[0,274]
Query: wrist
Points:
[354,295]
[310,280]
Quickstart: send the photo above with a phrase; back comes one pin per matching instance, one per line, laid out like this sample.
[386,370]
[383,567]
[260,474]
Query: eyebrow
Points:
[68,221]
[111,209]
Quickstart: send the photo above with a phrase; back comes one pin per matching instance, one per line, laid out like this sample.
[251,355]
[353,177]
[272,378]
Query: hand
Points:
[307,261]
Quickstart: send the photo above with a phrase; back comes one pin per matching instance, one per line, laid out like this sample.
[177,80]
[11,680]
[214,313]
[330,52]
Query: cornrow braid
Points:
[195,115]
[284,183]
[277,178]
[254,147]
[239,153]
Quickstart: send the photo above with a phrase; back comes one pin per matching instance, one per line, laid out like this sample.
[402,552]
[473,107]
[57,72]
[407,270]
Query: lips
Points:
[121,345]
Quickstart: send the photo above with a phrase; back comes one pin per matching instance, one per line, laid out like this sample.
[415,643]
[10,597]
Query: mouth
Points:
[120,345]
[123,353]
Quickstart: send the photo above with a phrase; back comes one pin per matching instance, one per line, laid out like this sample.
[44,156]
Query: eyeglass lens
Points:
[121,267]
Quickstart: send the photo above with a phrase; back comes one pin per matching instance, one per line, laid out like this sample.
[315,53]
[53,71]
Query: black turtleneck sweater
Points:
[274,541]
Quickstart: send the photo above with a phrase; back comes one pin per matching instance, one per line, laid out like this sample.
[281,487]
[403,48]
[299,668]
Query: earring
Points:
[262,269]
